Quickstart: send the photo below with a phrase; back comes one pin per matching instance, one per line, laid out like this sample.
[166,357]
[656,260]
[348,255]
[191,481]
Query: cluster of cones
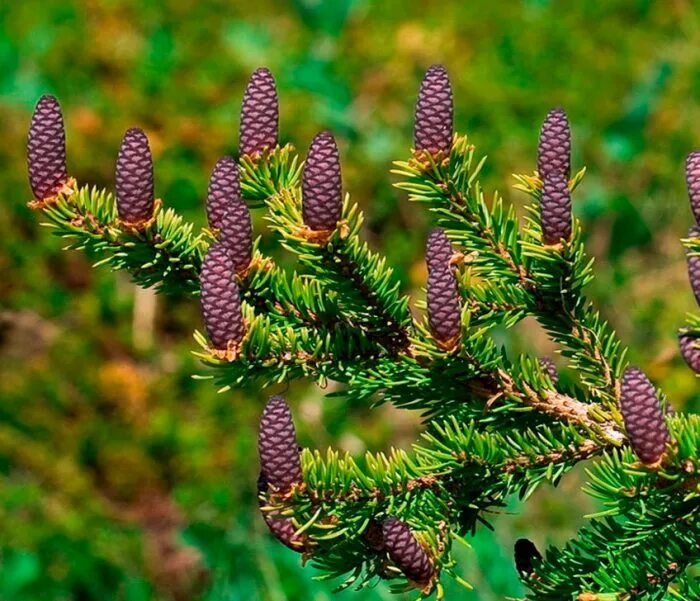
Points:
[280,473]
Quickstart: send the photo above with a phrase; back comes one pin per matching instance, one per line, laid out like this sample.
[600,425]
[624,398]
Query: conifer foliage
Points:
[496,424]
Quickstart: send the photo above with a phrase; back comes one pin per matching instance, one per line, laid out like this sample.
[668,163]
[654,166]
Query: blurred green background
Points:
[121,477]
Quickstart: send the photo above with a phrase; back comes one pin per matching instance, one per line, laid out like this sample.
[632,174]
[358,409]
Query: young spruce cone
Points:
[692,179]
[438,250]
[643,416]
[555,209]
[525,554]
[690,350]
[554,149]
[693,259]
[321,184]
[46,149]
[221,301]
[434,113]
[237,235]
[259,114]
[283,528]
[547,365]
[224,190]
[405,551]
[444,309]
[135,199]
[277,445]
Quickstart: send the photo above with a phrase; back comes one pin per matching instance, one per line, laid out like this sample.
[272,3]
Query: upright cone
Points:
[693,260]
[237,235]
[405,551]
[643,416]
[555,209]
[690,350]
[433,129]
[46,149]
[444,305]
[224,190]
[692,179]
[321,184]
[221,301]
[135,197]
[554,148]
[277,445]
[259,114]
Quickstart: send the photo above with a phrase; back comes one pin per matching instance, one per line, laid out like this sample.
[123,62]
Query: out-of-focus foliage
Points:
[121,477]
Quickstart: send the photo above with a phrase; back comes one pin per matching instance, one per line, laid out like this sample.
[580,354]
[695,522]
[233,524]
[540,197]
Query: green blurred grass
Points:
[98,417]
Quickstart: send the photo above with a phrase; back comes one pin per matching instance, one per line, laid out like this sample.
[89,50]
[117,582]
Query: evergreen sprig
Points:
[494,425]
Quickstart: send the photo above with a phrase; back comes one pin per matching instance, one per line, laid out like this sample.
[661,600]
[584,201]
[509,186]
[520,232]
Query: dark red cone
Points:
[438,250]
[693,259]
[526,554]
[224,190]
[221,301]
[555,209]
[259,114]
[135,198]
[322,196]
[643,416]
[554,149]
[444,306]
[237,235]
[690,350]
[277,445]
[692,179]
[405,551]
[434,113]
[547,365]
[46,149]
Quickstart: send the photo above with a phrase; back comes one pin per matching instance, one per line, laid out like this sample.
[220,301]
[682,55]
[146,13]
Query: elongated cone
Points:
[444,307]
[135,198]
[548,365]
[259,114]
[277,445]
[692,179]
[693,259]
[434,113]
[690,350]
[405,551]
[221,301]
[555,209]
[438,249]
[321,184]
[554,148]
[237,235]
[643,416]
[281,528]
[224,190]
[46,149]
[525,555]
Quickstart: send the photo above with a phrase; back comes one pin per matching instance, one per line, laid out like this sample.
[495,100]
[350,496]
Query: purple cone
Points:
[259,114]
[405,551]
[322,196]
[692,179]
[277,445]
[224,190]
[555,209]
[643,416]
[554,148]
[434,113]
[135,197]
[46,149]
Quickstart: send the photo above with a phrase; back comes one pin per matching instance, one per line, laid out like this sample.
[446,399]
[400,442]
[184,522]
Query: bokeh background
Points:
[121,476]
